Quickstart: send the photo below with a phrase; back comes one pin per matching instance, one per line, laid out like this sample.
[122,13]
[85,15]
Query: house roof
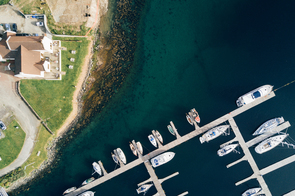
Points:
[28,62]
[4,50]
[30,42]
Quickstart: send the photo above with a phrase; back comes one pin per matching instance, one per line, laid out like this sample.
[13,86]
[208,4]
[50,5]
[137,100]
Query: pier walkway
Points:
[176,142]
[249,158]
[260,138]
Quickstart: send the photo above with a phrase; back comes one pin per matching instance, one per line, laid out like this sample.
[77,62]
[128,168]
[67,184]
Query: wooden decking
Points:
[180,139]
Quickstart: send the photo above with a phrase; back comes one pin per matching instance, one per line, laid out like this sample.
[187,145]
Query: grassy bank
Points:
[52,100]
[3,2]
[12,144]
[41,144]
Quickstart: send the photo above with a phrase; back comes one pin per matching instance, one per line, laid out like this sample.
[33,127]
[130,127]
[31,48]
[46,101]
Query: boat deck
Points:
[180,139]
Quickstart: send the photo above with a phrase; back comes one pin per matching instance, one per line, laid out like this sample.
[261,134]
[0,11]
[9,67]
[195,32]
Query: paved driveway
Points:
[9,15]
[10,102]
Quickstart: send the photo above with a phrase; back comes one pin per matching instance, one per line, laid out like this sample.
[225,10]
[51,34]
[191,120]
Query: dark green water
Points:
[201,54]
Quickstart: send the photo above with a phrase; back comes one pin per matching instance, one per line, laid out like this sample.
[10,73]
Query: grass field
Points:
[12,144]
[35,161]
[52,100]
[3,2]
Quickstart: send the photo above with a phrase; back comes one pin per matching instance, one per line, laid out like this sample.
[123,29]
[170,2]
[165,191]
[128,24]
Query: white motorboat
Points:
[226,149]
[121,155]
[170,129]
[213,133]
[270,143]
[133,149]
[144,188]
[69,190]
[252,192]
[115,158]
[162,159]
[139,147]
[269,125]
[189,119]
[88,181]
[96,168]
[195,115]
[152,140]
[87,193]
[159,136]
[254,94]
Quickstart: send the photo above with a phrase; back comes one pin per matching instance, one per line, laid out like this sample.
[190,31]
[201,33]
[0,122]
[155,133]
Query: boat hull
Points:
[213,133]
[88,181]
[170,129]
[159,136]
[121,155]
[152,140]
[188,118]
[133,149]
[96,168]
[87,193]
[69,190]
[139,147]
[269,126]
[162,159]
[114,157]
[226,149]
[253,95]
[144,188]
[269,143]
[253,191]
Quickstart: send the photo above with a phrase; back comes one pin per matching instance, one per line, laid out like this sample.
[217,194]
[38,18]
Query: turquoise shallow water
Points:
[191,53]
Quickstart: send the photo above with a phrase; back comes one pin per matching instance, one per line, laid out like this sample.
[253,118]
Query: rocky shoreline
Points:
[114,60]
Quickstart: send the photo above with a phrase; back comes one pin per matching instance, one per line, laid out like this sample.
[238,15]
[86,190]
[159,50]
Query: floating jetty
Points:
[181,139]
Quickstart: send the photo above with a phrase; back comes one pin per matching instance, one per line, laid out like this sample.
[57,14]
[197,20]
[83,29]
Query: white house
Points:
[27,52]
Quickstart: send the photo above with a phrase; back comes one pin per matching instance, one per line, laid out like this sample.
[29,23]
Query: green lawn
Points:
[3,2]
[11,145]
[35,161]
[52,100]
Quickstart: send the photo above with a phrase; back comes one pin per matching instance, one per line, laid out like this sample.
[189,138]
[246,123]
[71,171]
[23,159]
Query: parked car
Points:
[35,34]
[39,24]
[22,34]
[14,27]
[2,125]
[7,27]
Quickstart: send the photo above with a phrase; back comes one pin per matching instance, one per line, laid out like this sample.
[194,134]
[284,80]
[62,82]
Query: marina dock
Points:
[181,139]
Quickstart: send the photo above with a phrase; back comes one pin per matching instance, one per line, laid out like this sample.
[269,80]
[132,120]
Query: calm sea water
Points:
[192,53]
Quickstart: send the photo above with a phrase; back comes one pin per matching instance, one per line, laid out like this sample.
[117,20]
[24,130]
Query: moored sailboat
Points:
[226,149]
[139,147]
[87,181]
[269,126]
[121,155]
[133,149]
[253,192]
[170,129]
[87,193]
[189,119]
[144,188]
[114,157]
[152,140]
[159,136]
[195,115]
[213,133]
[69,190]
[96,168]
[270,143]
